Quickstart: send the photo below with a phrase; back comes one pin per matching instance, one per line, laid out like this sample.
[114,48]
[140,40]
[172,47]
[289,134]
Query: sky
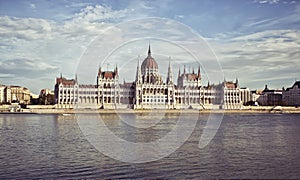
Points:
[256,41]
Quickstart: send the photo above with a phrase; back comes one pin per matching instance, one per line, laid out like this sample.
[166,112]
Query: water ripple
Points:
[246,146]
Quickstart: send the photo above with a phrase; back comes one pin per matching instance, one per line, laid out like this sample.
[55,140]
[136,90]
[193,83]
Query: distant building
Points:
[148,91]
[255,95]
[19,94]
[14,94]
[2,94]
[7,95]
[270,97]
[291,96]
[46,97]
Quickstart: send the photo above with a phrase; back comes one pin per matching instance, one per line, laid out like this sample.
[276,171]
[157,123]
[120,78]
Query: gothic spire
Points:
[138,77]
[99,68]
[76,78]
[199,73]
[237,81]
[170,76]
[99,71]
[116,70]
[137,70]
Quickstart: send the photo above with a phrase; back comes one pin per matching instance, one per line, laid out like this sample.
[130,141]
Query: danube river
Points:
[245,146]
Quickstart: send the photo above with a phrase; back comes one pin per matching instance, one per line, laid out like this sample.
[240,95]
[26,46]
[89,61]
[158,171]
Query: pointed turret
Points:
[237,82]
[138,76]
[170,76]
[99,77]
[76,78]
[184,70]
[116,70]
[199,73]
[178,72]
[99,71]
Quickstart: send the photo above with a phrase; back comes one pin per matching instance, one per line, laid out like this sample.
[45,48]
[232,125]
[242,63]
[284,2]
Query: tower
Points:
[149,69]
[138,77]
[170,76]
[189,79]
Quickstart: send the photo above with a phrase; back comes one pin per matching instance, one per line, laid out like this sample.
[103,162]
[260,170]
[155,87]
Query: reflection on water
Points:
[246,146]
[141,127]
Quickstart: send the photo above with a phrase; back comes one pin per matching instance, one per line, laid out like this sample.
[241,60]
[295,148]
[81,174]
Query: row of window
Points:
[155,101]
[79,92]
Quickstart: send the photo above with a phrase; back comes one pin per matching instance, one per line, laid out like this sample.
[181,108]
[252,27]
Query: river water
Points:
[245,146]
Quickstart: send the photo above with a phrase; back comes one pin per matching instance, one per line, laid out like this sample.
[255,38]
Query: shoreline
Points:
[261,110]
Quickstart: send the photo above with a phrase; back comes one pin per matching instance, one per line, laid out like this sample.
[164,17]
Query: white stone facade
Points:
[2,96]
[232,95]
[245,95]
[148,91]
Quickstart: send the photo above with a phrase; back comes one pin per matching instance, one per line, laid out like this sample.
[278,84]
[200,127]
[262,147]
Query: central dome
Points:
[149,62]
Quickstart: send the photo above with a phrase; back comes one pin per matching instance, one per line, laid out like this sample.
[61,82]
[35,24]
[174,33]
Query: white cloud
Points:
[259,57]
[18,66]
[24,28]
[6,75]
[168,38]
[267,1]
[179,16]
[92,21]
[99,13]
[33,6]
[42,48]
[290,20]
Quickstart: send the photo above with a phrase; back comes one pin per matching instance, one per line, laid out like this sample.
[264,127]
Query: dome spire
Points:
[149,62]
[149,50]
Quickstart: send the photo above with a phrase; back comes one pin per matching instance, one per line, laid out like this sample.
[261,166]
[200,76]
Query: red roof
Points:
[230,85]
[65,81]
[108,74]
[192,77]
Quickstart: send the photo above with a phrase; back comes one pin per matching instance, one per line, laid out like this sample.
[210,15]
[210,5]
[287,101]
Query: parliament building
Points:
[147,91]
